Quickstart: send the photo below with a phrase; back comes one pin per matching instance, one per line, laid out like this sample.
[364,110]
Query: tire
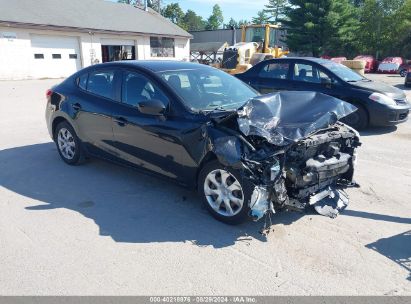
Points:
[232,178]
[68,144]
[403,73]
[358,120]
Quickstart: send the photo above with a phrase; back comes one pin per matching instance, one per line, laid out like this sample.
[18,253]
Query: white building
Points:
[55,38]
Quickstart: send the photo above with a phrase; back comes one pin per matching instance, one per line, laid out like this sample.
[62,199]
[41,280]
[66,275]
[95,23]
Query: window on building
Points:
[38,56]
[56,56]
[162,47]
[137,88]
[73,56]
[118,52]
[101,83]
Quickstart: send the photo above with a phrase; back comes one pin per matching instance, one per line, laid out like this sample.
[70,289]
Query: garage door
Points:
[54,56]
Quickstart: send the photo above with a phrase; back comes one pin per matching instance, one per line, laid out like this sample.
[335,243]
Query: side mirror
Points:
[151,107]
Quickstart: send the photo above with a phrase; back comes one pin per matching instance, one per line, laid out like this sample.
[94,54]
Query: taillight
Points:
[48,93]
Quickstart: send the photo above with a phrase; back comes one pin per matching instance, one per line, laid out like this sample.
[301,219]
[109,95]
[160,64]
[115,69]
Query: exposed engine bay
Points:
[295,151]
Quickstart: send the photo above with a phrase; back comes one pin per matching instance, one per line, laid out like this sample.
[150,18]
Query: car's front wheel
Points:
[403,73]
[358,120]
[68,144]
[225,193]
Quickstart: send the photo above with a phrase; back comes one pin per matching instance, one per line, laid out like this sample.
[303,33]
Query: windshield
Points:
[255,34]
[343,72]
[208,89]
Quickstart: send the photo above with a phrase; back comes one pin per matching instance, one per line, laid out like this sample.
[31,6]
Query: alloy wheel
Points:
[66,143]
[223,192]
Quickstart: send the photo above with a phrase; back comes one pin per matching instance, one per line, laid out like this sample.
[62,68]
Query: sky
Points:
[237,9]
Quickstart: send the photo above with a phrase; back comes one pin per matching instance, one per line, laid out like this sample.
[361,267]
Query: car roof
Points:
[313,59]
[156,65]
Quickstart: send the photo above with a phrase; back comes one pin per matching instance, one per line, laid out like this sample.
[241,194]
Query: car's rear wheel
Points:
[225,194]
[358,120]
[403,73]
[68,144]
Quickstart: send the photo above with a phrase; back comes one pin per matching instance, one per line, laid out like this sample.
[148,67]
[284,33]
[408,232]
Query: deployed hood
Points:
[380,87]
[286,117]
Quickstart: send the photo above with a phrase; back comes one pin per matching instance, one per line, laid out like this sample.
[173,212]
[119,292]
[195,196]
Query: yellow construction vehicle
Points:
[258,43]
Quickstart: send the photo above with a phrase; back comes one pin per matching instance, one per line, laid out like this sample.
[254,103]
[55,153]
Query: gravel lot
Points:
[101,229]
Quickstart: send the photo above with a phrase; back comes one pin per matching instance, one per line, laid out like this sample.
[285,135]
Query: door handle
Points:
[76,106]
[121,121]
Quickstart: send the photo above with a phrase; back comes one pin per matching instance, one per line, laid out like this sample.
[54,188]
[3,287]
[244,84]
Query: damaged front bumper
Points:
[328,199]
[328,202]
[294,159]
[314,171]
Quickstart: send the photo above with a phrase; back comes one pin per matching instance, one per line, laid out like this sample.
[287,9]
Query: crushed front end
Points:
[295,151]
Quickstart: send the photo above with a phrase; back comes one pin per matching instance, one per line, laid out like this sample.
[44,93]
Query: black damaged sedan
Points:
[248,155]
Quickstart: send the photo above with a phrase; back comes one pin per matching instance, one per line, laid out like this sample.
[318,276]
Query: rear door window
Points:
[101,83]
[275,70]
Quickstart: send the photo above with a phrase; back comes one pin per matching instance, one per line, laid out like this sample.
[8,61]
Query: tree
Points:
[385,27]
[215,21]
[323,27]
[276,9]
[243,22]
[344,21]
[307,23]
[357,3]
[231,24]
[193,22]
[261,18]
[132,2]
[402,33]
[154,4]
[174,12]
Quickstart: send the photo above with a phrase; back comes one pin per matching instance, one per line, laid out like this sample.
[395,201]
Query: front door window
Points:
[306,73]
[275,71]
[137,88]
